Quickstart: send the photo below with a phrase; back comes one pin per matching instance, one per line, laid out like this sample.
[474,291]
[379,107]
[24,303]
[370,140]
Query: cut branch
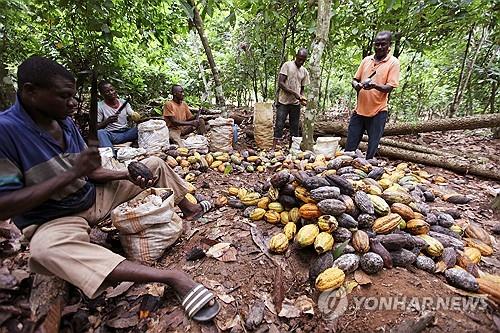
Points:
[448,124]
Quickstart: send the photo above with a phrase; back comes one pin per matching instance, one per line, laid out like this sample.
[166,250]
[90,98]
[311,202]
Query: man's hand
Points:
[112,119]
[369,85]
[86,162]
[143,182]
[303,100]
[195,123]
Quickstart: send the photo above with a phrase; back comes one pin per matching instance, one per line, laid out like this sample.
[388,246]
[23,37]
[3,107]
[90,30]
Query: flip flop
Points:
[206,206]
[195,303]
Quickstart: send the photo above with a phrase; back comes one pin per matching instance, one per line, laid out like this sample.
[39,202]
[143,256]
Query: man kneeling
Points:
[54,189]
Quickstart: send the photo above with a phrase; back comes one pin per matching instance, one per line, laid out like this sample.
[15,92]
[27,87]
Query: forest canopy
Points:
[449,49]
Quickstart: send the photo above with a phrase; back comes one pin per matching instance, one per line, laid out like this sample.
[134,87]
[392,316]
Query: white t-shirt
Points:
[296,78]
[104,111]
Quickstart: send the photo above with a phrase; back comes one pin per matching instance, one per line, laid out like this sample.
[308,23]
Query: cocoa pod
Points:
[402,258]
[138,169]
[348,263]
[449,257]
[371,263]
[378,248]
[426,264]
[461,279]
[319,265]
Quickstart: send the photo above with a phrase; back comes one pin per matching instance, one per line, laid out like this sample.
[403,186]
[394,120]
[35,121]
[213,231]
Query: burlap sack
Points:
[263,125]
[147,229]
[221,134]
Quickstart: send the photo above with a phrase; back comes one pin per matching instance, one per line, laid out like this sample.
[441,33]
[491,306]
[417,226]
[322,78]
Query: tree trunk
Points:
[198,23]
[7,93]
[451,162]
[456,100]
[317,47]
[447,124]
[201,68]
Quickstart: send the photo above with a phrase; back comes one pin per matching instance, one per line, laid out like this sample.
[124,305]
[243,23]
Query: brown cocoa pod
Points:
[449,257]
[319,265]
[379,249]
[138,169]
[402,258]
[393,242]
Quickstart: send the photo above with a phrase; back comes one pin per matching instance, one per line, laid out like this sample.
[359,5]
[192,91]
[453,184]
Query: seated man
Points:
[54,189]
[179,119]
[111,121]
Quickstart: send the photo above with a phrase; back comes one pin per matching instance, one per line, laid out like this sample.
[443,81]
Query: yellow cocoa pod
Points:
[360,241]
[417,227]
[309,211]
[190,177]
[272,217]
[386,224]
[253,159]
[172,162]
[261,168]
[403,210]
[331,278]
[385,183]
[257,214]
[473,254]
[434,248]
[221,167]
[209,158]
[278,243]
[242,192]
[215,164]
[273,193]
[303,195]
[183,151]
[485,249]
[306,235]
[233,191]
[457,229]
[220,201]
[251,199]
[276,206]
[477,232]
[323,242]
[327,223]
[192,159]
[263,203]
[294,215]
[191,188]
[224,157]
[191,198]
[284,218]
[184,164]
[290,230]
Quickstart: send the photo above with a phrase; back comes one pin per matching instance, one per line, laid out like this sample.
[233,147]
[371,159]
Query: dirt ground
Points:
[250,283]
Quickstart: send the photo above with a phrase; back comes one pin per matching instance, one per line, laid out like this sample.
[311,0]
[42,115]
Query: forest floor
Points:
[248,279]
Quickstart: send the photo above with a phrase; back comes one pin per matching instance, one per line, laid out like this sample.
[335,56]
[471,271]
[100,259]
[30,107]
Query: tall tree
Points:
[198,23]
[317,47]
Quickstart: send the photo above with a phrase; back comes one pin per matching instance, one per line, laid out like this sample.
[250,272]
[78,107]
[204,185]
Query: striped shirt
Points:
[29,155]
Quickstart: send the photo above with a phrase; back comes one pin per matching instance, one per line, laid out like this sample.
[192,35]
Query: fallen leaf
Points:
[441,267]
[229,255]
[225,298]
[118,290]
[255,315]
[156,289]
[268,302]
[362,278]
[305,304]
[289,310]
[229,323]
[349,286]
[123,322]
[217,250]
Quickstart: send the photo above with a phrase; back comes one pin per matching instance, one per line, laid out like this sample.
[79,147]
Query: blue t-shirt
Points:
[29,155]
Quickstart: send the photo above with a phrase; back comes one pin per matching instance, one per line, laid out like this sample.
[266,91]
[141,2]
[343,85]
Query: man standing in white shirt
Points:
[111,124]
[292,79]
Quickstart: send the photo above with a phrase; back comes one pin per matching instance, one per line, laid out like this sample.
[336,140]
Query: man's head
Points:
[107,91]
[382,43]
[177,93]
[46,87]
[301,57]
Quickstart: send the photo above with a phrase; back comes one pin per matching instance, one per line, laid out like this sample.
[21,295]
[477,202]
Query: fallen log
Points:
[448,124]
[449,162]
[409,146]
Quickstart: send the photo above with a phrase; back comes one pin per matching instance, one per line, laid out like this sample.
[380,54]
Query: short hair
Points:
[41,72]
[302,50]
[386,34]
[175,86]
[101,84]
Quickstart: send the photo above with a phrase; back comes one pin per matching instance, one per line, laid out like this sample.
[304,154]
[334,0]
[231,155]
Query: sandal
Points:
[196,304]
[206,206]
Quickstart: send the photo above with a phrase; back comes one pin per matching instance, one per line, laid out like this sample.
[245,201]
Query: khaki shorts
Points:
[62,247]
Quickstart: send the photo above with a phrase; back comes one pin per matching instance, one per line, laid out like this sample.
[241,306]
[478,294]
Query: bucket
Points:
[326,145]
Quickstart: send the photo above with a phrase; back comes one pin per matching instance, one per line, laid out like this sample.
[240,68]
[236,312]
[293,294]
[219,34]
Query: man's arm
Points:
[175,122]
[102,175]
[282,85]
[20,201]
[385,88]
[107,121]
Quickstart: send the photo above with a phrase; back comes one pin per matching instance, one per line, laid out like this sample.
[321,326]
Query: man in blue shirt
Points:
[54,188]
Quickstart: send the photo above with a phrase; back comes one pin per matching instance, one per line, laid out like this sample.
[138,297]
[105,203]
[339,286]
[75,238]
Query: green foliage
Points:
[145,47]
